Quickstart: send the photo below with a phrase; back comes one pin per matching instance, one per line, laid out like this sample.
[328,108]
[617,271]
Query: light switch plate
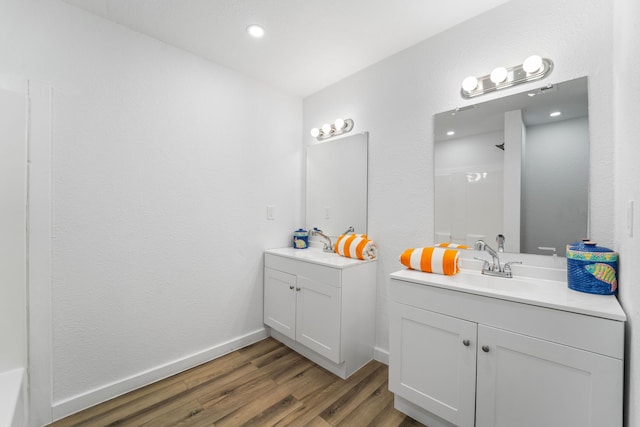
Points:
[270,212]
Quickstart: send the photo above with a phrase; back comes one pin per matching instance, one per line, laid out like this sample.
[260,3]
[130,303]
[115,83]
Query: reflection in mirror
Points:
[511,167]
[337,185]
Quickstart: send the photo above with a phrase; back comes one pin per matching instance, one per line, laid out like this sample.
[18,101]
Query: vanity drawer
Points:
[319,273]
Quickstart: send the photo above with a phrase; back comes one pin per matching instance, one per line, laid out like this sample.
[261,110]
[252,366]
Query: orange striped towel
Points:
[355,246]
[452,246]
[431,260]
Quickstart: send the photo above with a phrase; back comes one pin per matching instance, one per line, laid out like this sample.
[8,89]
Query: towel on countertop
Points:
[355,246]
[452,246]
[431,260]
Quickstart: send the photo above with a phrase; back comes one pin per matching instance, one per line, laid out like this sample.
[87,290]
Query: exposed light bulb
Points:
[326,128]
[450,133]
[255,31]
[470,83]
[339,123]
[532,64]
[498,75]
[315,132]
[555,114]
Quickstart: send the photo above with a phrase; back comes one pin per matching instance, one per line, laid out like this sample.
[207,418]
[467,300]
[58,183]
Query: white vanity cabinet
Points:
[499,357]
[321,305]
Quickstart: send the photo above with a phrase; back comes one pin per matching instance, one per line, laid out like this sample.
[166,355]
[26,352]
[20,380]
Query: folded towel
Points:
[431,260]
[355,246]
[452,245]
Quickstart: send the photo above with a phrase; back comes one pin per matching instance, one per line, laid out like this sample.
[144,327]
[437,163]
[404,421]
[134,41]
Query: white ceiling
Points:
[309,44]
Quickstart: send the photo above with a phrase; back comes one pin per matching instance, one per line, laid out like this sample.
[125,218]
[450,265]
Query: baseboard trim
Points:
[82,401]
[381,355]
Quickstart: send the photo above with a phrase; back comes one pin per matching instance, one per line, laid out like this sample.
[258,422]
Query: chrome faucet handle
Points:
[507,265]
[486,266]
[327,245]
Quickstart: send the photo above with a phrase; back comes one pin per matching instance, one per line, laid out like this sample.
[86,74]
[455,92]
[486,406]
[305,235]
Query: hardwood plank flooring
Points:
[265,384]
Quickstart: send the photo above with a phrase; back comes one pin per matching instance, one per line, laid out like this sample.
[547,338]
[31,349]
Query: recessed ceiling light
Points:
[255,31]
[450,133]
[555,114]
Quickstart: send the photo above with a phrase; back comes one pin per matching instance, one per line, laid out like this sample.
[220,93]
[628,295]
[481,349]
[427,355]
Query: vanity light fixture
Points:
[532,68]
[329,130]
[451,133]
[555,114]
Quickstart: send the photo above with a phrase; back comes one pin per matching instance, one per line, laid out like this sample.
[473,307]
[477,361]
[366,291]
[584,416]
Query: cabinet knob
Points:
[297,289]
[291,287]
[485,348]
[466,343]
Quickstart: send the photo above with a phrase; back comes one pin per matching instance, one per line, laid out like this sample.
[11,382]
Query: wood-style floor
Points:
[265,384]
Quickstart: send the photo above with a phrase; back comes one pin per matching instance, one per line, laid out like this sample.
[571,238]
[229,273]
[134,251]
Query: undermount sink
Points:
[315,253]
[474,278]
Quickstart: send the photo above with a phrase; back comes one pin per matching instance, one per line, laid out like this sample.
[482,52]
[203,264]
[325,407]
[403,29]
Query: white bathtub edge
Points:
[12,398]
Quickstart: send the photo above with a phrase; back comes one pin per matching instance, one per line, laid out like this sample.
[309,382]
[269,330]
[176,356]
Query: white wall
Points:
[555,202]
[626,106]
[162,165]
[395,101]
[469,208]
[13,221]
[514,139]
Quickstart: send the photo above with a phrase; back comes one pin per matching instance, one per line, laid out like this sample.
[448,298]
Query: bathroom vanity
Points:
[473,350]
[322,305]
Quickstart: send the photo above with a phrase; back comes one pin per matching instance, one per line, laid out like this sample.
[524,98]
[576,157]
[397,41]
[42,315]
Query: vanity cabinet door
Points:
[318,317]
[280,301]
[432,362]
[528,382]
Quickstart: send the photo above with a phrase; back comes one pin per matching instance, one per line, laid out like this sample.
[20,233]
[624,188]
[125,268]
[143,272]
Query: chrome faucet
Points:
[327,245]
[350,230]
[494,268]
[500,242]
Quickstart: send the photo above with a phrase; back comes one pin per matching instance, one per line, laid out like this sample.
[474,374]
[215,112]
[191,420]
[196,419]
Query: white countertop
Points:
[534,291]
[317,256]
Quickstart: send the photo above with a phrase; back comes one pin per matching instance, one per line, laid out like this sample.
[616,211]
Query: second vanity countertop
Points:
[533,291]
[317,256]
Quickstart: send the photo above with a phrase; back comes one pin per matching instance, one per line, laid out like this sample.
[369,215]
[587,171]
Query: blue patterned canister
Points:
[300,239]
[592,269]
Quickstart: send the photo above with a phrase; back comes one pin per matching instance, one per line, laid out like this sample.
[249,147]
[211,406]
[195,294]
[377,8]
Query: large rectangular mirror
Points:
[516,166]
[337,177]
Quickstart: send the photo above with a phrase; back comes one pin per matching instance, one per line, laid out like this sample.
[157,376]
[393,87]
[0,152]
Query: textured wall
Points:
[162,167]
[395,101]
[627,185]
[13,188]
